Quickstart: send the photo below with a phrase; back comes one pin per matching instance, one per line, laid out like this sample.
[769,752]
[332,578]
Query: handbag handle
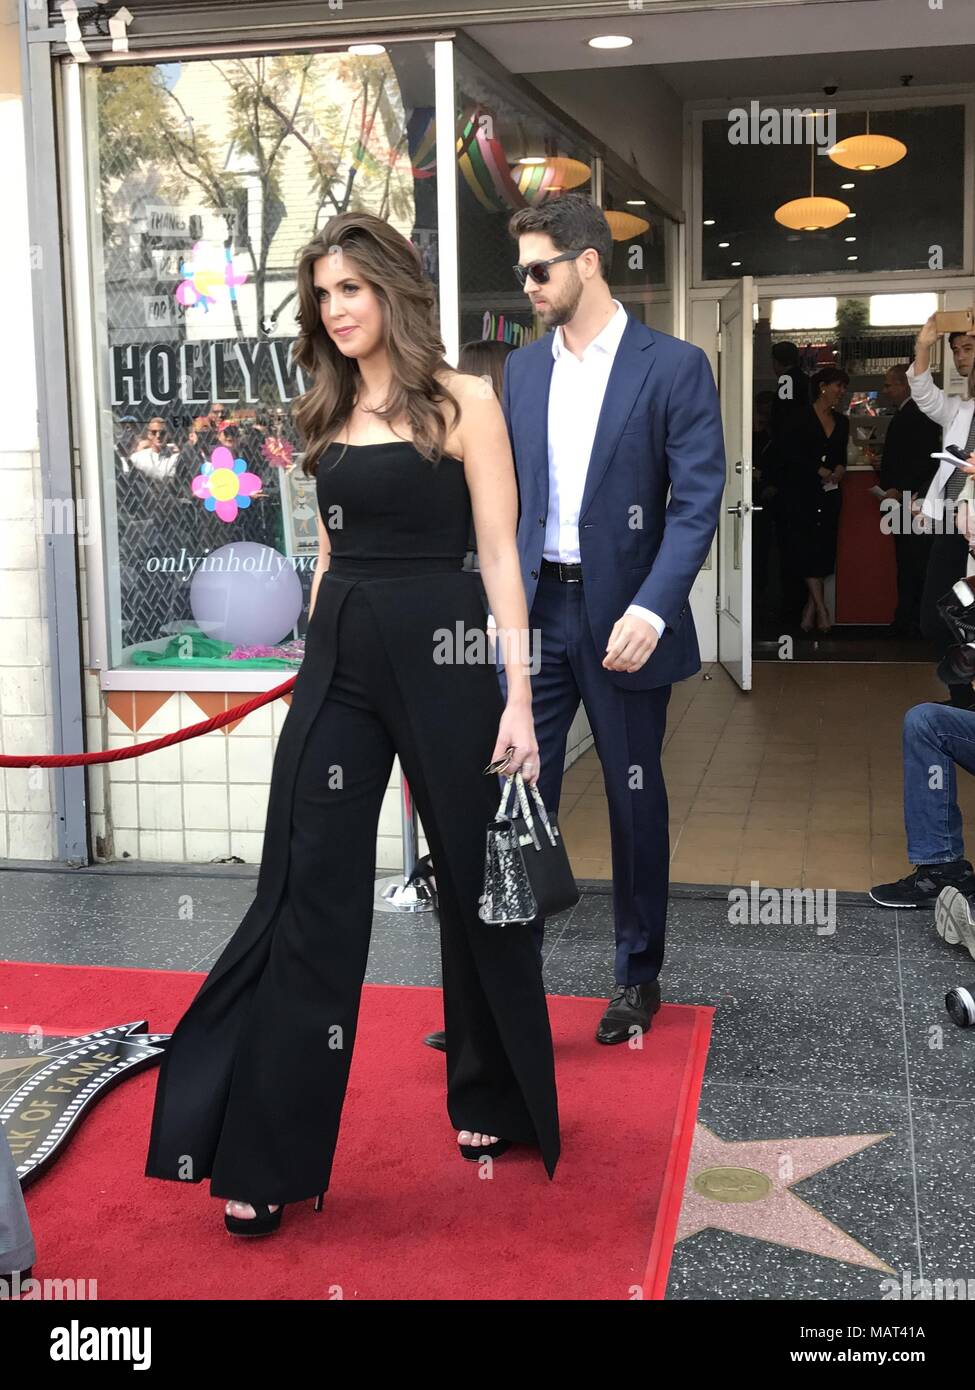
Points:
[519,782]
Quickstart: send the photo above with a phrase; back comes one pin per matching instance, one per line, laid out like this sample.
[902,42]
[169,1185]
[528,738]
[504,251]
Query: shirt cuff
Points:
[653,619]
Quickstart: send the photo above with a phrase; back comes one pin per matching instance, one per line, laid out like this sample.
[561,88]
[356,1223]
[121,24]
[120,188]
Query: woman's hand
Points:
[825,473]
[517,727]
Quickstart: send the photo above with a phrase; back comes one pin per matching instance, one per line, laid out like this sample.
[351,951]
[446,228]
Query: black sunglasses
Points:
[538,270]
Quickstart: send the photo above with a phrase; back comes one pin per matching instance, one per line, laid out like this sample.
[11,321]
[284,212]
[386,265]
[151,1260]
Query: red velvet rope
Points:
[136,751]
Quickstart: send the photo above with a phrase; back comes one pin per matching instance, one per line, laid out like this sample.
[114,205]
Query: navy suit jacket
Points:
[659,429]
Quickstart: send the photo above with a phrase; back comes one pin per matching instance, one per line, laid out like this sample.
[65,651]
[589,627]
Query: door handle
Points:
[740,508]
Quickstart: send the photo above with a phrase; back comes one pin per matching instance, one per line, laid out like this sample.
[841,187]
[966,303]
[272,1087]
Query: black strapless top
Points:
[386,501]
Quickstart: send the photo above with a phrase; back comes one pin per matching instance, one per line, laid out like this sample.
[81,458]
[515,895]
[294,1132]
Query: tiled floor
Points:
[795,784]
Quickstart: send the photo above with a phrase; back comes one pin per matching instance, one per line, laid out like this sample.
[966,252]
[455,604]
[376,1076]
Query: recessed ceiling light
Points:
[610,41]
[847,185]
[636,202]
[736,262]
[849,238]
[366,50]
[853,258]
[709,221]
[724,243]
[849,215]
[532,159]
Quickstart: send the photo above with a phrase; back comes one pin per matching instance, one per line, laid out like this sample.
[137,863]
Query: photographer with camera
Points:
[956,416]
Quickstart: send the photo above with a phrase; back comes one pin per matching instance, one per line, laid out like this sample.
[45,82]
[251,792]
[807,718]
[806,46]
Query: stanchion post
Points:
[415,889]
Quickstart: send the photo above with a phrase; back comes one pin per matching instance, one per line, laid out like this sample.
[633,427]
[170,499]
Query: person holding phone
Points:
[949,550]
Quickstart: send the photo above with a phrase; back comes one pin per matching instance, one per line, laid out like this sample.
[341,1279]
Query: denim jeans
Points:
[936,737]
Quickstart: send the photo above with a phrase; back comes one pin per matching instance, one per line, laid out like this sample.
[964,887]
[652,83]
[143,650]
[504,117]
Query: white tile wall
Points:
[238,800]
[26,724]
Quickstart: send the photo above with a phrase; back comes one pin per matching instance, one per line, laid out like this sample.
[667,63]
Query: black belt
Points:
[568,574]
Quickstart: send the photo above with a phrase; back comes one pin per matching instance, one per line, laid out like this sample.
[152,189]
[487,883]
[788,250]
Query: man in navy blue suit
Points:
[606,417]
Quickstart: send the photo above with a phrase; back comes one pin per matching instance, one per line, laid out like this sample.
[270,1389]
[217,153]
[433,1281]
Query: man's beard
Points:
[558,314]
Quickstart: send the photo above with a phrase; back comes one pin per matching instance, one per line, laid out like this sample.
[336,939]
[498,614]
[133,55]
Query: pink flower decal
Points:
[225,484]
[277,451]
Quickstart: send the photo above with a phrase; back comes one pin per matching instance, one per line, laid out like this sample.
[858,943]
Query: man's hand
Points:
[929,334]
[631,642]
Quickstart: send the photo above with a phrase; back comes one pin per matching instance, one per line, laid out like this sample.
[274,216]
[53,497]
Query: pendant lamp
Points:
[867,153]
[812,214]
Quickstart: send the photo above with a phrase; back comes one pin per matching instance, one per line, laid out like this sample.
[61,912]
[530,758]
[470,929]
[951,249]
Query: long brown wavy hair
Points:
[392,267]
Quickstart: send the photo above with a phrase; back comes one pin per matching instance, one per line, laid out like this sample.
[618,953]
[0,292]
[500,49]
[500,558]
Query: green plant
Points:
[852,318]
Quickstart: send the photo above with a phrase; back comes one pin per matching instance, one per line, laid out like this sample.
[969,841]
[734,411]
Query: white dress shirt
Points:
[967,495]
[575,399]
[158,465]
[954,415]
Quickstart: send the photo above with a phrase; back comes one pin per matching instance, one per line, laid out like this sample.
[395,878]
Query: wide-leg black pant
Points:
[287,1007]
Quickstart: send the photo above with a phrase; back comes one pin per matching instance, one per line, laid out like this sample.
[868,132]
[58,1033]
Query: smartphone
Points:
[954,320]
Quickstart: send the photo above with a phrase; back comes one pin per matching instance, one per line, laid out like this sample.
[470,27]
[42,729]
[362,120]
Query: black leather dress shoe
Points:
[437,1040]
[632,1006]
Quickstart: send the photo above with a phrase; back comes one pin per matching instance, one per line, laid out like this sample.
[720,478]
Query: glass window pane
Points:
[207,177]
[511,154]
[644,251]
[906,217]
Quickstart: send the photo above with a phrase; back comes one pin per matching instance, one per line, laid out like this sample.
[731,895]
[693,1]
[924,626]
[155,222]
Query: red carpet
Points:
[405,1217]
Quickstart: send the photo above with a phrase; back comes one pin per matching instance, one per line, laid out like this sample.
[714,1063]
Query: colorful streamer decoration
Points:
[484,165]
[225,484]
[209,271]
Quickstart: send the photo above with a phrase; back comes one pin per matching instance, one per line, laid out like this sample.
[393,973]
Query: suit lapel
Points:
[537,461]
[633,360]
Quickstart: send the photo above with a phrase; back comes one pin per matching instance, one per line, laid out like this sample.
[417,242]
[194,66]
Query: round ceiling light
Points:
[868,152]
[610,41]
[812,214]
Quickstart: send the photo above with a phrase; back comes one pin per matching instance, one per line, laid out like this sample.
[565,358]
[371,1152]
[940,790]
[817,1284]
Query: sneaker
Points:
[953,918]
[921,888]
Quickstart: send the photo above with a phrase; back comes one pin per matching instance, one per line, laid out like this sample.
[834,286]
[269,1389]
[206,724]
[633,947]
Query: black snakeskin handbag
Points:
[526,868]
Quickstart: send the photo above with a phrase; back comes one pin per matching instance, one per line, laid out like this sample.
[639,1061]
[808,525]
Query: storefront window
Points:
[511,154]
[644,252]
[901,218]
[207,177]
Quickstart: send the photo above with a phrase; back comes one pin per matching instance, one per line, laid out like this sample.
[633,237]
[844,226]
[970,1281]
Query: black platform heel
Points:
[263,1222]
[476,1151]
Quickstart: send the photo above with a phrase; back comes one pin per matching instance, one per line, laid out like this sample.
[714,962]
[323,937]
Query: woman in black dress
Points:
[809,464]
[252,1082]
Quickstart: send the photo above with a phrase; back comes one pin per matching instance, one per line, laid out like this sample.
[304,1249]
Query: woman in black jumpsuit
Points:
[252,1082]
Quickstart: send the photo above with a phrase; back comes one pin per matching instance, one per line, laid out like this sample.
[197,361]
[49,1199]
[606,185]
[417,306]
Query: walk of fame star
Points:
[744,1187]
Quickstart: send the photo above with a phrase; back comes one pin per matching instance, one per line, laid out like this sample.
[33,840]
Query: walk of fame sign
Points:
[48,1084]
